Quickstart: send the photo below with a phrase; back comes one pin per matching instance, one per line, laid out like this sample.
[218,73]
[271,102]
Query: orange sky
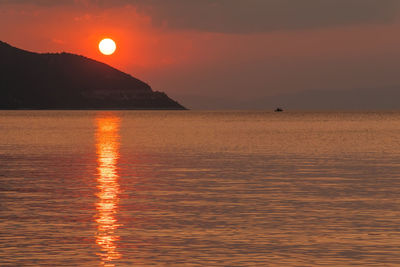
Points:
[212,67]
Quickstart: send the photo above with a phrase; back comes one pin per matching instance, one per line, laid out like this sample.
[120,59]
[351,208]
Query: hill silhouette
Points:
[66,81]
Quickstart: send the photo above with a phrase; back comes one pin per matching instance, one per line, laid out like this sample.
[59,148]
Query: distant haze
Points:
[230,54]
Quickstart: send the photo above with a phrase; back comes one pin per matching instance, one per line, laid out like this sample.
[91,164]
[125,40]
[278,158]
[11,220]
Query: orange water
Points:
[143,188]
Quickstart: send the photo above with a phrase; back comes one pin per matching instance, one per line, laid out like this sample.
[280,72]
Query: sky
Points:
[230,54]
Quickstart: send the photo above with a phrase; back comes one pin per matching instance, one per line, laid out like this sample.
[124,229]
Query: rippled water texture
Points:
[142,188]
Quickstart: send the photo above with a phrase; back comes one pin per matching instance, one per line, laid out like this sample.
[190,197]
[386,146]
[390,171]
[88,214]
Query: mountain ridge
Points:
[30,80]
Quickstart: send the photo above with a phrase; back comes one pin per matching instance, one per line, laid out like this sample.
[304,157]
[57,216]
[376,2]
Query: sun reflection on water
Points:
[107,147]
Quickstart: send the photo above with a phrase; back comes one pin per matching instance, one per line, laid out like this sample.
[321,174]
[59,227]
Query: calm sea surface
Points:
[187,188]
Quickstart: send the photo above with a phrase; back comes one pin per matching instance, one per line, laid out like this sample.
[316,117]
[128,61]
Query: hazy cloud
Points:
[246,16]
[268,15]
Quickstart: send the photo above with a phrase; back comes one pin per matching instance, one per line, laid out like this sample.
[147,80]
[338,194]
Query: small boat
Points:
[278,110]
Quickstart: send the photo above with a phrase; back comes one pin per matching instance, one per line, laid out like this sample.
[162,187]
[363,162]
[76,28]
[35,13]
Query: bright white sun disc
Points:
[107,46]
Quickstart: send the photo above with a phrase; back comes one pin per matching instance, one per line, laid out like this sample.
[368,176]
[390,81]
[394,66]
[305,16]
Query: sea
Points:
[199,188]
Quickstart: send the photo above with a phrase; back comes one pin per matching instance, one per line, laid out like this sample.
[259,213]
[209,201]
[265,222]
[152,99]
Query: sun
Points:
[107,46]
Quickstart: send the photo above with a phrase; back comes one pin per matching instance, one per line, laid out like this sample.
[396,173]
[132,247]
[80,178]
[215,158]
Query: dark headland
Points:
[66,81]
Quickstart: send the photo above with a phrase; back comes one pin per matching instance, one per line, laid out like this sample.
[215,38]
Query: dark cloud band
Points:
[247,16]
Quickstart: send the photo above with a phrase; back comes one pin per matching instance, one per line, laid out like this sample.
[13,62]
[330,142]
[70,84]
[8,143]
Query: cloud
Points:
[247,16]
[244,16]
[37,2]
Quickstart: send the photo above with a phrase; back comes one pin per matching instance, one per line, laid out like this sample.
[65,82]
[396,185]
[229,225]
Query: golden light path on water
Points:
[107,147]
